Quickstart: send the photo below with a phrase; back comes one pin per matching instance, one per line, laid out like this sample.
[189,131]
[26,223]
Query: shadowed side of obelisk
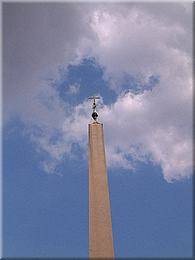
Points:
[100,225]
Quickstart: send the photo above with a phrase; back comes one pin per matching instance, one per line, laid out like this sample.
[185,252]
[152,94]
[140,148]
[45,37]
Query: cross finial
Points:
[94,113]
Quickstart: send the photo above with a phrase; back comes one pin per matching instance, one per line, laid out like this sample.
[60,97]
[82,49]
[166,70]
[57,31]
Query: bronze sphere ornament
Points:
[94,113]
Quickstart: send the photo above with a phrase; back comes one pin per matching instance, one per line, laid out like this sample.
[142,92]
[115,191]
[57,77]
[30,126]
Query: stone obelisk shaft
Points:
[100,225]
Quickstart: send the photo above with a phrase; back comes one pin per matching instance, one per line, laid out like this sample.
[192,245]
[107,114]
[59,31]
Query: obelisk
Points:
[100,224]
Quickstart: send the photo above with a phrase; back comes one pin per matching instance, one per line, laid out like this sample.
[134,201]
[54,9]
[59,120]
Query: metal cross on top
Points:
[94,113]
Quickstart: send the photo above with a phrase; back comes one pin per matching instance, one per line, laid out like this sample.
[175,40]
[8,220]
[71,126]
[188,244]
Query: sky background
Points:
[138,58]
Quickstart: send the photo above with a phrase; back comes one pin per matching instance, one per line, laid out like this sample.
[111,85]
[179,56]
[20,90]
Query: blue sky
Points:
[49,71]
[47,215]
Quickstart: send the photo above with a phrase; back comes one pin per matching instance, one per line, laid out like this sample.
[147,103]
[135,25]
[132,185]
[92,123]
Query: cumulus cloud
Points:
[133,39]
[73,89]
[144,43]
[138,125]
[136,43]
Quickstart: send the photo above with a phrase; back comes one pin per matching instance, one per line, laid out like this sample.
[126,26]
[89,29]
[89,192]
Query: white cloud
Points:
[138,39]
[138,42]
[73,89]
[153,134]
